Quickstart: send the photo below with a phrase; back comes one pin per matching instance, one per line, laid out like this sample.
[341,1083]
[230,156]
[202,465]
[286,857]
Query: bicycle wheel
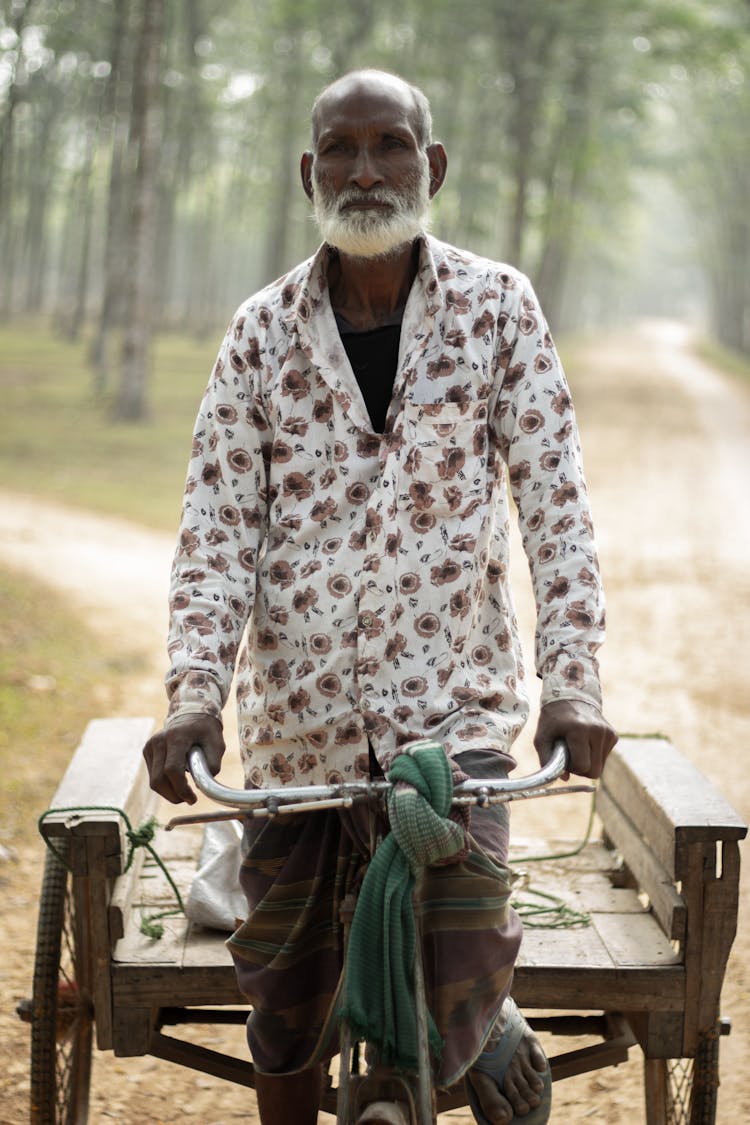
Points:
[62,1016]
[683,1091]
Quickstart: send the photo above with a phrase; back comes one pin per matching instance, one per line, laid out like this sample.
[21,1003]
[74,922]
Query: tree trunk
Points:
[146,122]
[75,254]
[186,121]
[116,108]
[527,46]
[78,314]
[17,23]
[730,290]
[7,239]
[564,186]
[277,242]
[37,189]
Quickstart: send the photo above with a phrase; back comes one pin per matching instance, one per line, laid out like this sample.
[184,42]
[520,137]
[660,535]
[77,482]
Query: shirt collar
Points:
[313,290]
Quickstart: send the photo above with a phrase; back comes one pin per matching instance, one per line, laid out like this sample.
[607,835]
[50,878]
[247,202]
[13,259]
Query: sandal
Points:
[495,1062]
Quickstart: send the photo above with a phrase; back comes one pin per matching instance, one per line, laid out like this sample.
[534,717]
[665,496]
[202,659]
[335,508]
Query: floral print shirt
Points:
[365,575]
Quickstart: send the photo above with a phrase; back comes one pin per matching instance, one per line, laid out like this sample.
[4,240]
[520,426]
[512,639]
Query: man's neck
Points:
[367,291]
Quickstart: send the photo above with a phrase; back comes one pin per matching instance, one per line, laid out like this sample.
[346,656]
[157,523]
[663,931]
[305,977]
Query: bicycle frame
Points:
[295,799]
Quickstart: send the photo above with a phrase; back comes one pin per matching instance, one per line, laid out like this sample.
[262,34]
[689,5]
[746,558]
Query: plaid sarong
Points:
[289,953]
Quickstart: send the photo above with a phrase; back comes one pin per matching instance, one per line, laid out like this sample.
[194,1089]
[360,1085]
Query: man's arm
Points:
[539,440]
[213,574]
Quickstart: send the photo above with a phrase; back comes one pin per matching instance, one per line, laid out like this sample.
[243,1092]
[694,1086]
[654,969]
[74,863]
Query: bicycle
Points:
[414,1092]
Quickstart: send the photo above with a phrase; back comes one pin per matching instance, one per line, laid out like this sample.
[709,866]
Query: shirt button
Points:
[366,620]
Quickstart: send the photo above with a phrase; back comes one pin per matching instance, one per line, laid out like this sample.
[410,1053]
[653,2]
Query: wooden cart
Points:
[660,888]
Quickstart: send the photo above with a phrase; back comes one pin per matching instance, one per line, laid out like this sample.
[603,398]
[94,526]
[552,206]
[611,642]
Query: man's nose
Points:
[365,172]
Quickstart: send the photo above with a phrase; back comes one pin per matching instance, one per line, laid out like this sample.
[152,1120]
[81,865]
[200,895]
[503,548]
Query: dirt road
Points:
[667,451]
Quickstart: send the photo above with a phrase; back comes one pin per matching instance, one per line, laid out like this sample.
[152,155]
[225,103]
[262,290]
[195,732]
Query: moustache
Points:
[350,197]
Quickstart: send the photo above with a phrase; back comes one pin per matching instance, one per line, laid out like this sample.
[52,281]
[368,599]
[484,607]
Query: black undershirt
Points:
[374,359]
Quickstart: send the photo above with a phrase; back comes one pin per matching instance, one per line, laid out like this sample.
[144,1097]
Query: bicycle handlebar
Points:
[288,799]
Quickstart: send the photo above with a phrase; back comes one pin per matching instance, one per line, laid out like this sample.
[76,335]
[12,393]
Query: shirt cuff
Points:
[184,709]
[193,693]
[574,682]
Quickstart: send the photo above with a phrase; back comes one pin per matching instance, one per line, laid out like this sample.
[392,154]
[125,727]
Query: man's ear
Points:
[305,168]
[438,162]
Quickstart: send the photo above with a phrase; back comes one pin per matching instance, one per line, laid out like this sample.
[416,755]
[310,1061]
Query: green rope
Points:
[577,849]
[141,837]
[554,913]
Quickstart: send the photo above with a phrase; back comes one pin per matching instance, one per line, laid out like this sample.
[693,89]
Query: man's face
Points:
[370,177]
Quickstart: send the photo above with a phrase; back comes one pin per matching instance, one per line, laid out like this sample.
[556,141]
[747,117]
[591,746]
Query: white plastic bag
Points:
[215,898]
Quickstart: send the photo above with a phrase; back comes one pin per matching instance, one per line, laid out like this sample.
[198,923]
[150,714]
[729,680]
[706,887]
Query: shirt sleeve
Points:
[536,429]
[222,527]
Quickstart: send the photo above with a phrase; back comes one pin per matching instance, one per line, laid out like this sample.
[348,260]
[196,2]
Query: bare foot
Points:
[522,1084]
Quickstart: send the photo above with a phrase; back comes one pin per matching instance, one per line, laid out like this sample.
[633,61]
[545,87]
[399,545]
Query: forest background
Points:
[149,156]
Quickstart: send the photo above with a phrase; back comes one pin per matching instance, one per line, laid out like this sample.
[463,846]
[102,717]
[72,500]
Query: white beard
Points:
[370,233]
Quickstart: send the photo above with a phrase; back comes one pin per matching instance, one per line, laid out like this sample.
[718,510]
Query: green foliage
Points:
[558,118]
[713,102]
[56,439]
[732,362]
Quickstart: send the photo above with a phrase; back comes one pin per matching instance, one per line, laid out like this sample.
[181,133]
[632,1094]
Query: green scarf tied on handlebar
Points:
[378,1000]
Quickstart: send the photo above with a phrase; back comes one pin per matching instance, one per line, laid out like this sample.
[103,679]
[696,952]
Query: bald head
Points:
[379,81]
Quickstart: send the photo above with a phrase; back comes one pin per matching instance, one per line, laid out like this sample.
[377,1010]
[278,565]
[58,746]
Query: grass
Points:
[57,441]
[731,362]
[57,438]
[54,677]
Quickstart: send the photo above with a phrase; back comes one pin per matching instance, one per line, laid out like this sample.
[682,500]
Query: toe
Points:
[495,1107]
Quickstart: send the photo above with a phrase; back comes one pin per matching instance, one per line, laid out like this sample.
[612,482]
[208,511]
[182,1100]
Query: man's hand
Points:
[166,755]
[587,733]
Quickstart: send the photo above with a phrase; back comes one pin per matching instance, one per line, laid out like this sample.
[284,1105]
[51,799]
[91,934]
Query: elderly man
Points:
[346,511]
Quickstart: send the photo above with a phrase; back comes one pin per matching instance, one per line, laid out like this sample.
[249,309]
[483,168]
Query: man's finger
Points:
[579,750]
[166,769]
[176,767]
[182,791]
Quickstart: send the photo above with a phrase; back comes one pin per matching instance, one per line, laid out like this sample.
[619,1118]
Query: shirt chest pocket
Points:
[443,458]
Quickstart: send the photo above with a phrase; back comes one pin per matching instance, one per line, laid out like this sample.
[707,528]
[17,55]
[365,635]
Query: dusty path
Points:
[114,572]
[667,450]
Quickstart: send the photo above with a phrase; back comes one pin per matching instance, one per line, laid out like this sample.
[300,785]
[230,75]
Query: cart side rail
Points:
[106,777]
[669,800]
[679,839]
